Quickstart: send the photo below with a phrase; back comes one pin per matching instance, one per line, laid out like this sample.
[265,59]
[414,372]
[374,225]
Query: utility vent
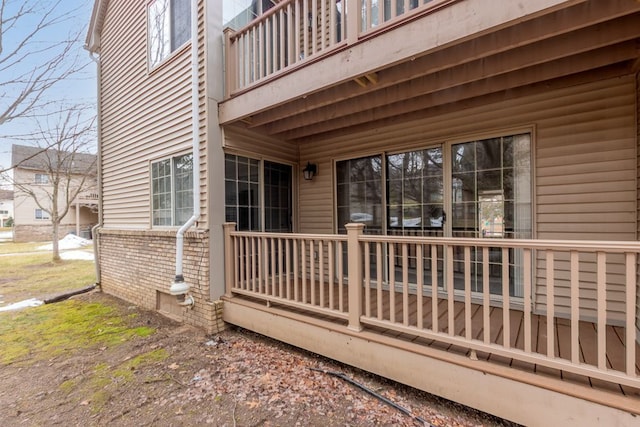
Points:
[167,305]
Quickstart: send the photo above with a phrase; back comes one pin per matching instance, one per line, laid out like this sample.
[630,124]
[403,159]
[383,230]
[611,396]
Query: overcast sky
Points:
[78,89]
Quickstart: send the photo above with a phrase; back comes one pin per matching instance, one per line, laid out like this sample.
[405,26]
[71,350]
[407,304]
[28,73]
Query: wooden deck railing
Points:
[556,304]
[296,31]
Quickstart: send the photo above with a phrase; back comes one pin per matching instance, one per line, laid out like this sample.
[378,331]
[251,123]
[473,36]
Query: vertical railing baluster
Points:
[506,300]
[321,272]
[450,282]
[340,277]
[303,245]
[419,286]
[527,300]
[273,266]
[379,280]
[367,280]
[283,51]
[314,26]
[305,33]
[296,266]
[394,9]
[291,36]
[434,288]
[269,47]
[550,304]
[601,287]
[323,24]
[243,284]
[253,258]
[630,326]
[575,306]
[331,260]
[392,283]
[298,26]
[486,292]
[261,53]
[367,15]
[405,284]
[312,271]
[380,12]
[288,266]
[263,261]
[280,271]
[467,292]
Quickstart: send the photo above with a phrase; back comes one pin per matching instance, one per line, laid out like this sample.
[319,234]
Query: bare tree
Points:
[61,155]
[37,51]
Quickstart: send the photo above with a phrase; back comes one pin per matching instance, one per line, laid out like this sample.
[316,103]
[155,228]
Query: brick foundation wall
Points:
[137,265]
[39,233]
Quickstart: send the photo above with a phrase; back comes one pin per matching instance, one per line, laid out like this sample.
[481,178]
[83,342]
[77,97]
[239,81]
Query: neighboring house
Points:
[488,153]
[32,175]
[6,207]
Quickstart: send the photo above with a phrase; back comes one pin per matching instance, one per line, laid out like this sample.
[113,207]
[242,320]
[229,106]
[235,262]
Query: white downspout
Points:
[179,287]
[94,230]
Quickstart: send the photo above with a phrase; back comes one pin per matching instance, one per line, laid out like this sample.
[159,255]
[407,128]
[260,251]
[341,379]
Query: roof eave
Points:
[92,41]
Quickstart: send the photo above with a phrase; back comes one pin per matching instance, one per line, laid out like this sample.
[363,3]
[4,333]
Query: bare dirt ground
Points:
[178,376]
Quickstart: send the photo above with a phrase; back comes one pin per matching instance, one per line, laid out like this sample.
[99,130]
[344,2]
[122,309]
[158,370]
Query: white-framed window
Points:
[172,190]
[3,212]
[41,178]
[41,214]
[168,28]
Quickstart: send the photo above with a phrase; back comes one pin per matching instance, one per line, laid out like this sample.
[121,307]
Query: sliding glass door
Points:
[474,189]
[490,196]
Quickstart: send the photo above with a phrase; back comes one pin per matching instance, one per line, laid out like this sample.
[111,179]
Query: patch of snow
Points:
[80,255]
[32,302]
[70,241]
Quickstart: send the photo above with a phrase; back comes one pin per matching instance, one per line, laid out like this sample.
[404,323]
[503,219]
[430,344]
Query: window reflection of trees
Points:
[159,43]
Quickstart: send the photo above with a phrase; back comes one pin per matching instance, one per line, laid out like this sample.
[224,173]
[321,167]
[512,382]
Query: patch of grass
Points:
[56,329]
[35,275]
[17,248]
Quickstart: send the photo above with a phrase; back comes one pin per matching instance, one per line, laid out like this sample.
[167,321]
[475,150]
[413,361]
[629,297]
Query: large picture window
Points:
[172,190]
[169,27]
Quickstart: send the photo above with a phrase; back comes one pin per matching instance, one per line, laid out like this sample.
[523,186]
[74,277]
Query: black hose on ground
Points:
[67,295]
[374,394]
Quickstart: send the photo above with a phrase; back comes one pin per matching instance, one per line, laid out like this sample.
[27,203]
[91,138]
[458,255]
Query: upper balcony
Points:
[396,57]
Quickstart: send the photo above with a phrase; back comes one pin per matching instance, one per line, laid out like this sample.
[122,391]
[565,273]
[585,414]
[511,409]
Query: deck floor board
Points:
[615,336]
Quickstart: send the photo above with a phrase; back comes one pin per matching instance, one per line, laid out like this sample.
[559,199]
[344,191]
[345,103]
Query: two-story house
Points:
[33,172]
[443,192]
[6,208]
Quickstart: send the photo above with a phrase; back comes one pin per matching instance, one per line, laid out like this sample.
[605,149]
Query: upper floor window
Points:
[169,27]
[41,214]
[172,190]
[41,178]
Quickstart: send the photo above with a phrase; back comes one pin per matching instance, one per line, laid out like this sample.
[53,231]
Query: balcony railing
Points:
[297,31]
[570,306]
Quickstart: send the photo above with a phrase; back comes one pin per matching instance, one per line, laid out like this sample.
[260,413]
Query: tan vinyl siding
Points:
[585,162]
[248,143]
[638,204]
[146,115]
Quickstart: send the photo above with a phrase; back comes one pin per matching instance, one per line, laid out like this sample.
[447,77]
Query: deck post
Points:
[353,20]
[229,260]
[231,62]
[354,259]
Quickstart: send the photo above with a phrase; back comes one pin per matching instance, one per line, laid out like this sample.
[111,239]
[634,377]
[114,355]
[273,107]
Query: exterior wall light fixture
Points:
[309,171]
